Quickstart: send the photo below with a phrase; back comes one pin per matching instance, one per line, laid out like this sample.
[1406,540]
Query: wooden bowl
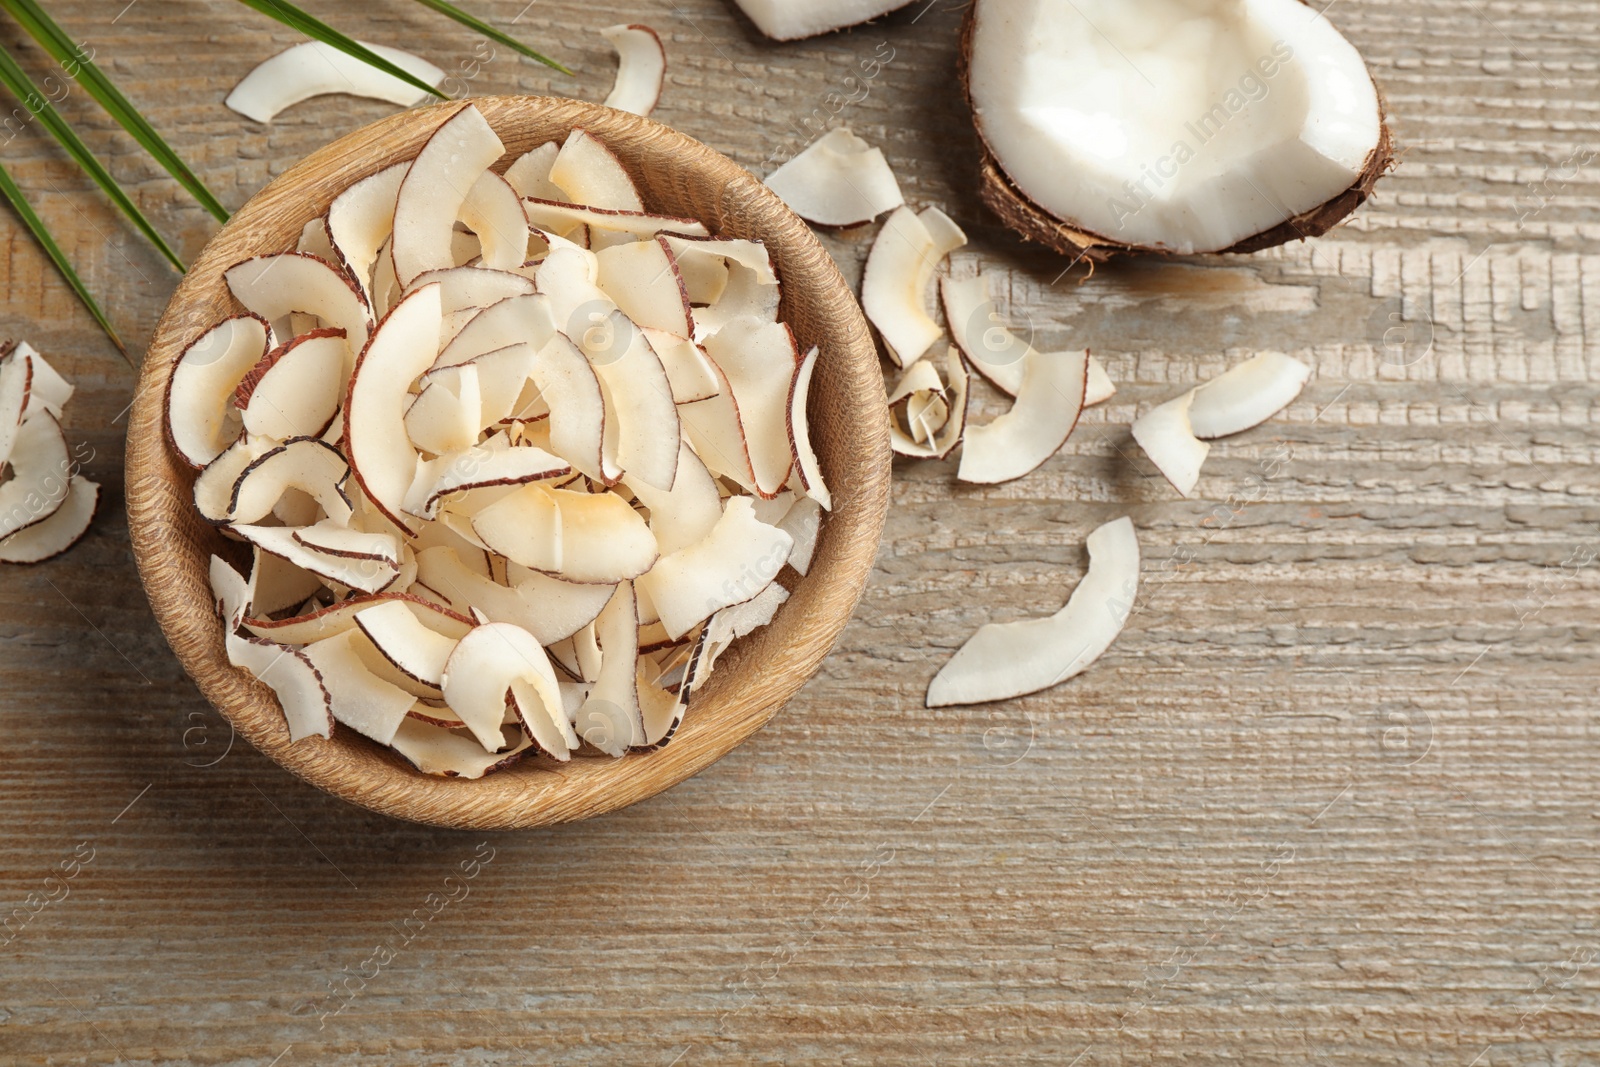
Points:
[849,426]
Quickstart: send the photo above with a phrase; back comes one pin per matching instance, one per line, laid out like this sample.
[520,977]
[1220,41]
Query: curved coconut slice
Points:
[642,277]
[900,268]
[47,389]
[1279,132]
[561,219]
[954,428]
[405,641]
[307,707]
[788,20]
[447,415]
[659,710]
[548,608]
[231,593]
[334,539]
[610,718]
[1246,395]
[200,418]
[370,574]
[590,173]
[280,586]
[41,475]
[435,750]
[1167,437]
[341,618]
[504,378]
[16,379]
[493,212]
[689,373]
[301,390]
[516,320]
[361,219]
[732,623]
[465,288]
[1005,660]
[480,671]
[357,697]
[570,386]
[435,189]
[808,471]
[1044,415]
[596,537]
[685,514]
[979,331]
[840,180]
[312,466]
[760,361]
[275,286]
[530,174]
[54,535]
[315,69]
[639,396]
[482,467]
[713,427]
[402,349]
[739,558]
[1101,387]
[803,522]
[641,68]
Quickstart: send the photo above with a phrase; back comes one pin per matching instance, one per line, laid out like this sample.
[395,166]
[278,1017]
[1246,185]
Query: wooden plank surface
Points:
[1332,798]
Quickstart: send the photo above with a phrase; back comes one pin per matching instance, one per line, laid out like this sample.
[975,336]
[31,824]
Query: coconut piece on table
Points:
[641,68]
[313,68]
[1005,660]
[839,180]
[899,270]
[41,475]
[1041,419]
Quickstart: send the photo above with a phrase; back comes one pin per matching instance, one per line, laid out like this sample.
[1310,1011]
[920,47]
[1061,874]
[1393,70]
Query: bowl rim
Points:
[536,792]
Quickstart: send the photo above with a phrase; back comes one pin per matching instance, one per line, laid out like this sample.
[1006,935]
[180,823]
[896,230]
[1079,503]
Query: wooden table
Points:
[1330,798]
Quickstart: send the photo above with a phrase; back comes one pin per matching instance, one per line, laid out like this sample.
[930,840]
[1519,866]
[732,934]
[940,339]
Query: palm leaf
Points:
[317,30]
[51,37]
[444,7]
[41,234]
[23,88]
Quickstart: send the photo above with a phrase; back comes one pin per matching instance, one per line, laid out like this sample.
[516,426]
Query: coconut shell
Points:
[1034,223]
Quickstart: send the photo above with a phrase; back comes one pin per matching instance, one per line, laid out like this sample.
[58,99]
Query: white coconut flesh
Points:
[57,532]
[899,271]
[641,68]
[315,69]
[839,180]
[46,506]
[1175,434]
[789,20]
[41,472]
[1181,125]
[1040,421]
[466,476]
[1006,660]
[932,439]
[47,390]
[807,468]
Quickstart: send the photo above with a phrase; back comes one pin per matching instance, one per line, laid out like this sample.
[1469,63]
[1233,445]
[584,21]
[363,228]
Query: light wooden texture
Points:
[173,545]
[1331,798]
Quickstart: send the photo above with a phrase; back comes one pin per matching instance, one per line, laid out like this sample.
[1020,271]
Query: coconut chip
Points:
[641,68]
[838,181]
[312,68]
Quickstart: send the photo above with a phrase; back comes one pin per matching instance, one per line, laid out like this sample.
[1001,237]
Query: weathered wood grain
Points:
[1332,797]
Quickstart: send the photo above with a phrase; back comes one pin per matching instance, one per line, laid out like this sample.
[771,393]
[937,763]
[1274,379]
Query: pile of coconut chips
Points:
[45,504]
[514,460]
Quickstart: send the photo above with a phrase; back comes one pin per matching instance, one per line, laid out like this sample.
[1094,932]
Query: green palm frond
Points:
[41,233]
[23,88]
[452,11]
[55,41]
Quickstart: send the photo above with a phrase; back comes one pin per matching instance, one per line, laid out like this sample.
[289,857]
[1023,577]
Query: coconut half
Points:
[1117,126]
[1005,660]
[790,20]
[315,69]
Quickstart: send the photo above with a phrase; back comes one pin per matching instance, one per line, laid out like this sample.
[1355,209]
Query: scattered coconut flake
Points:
[936,442]
[55,534]
[1246,395]
[839,180]
[1100,388]
[1167,437]
[1005,660]
[1046,411]
[312,68]
[899,270]
[641,68]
